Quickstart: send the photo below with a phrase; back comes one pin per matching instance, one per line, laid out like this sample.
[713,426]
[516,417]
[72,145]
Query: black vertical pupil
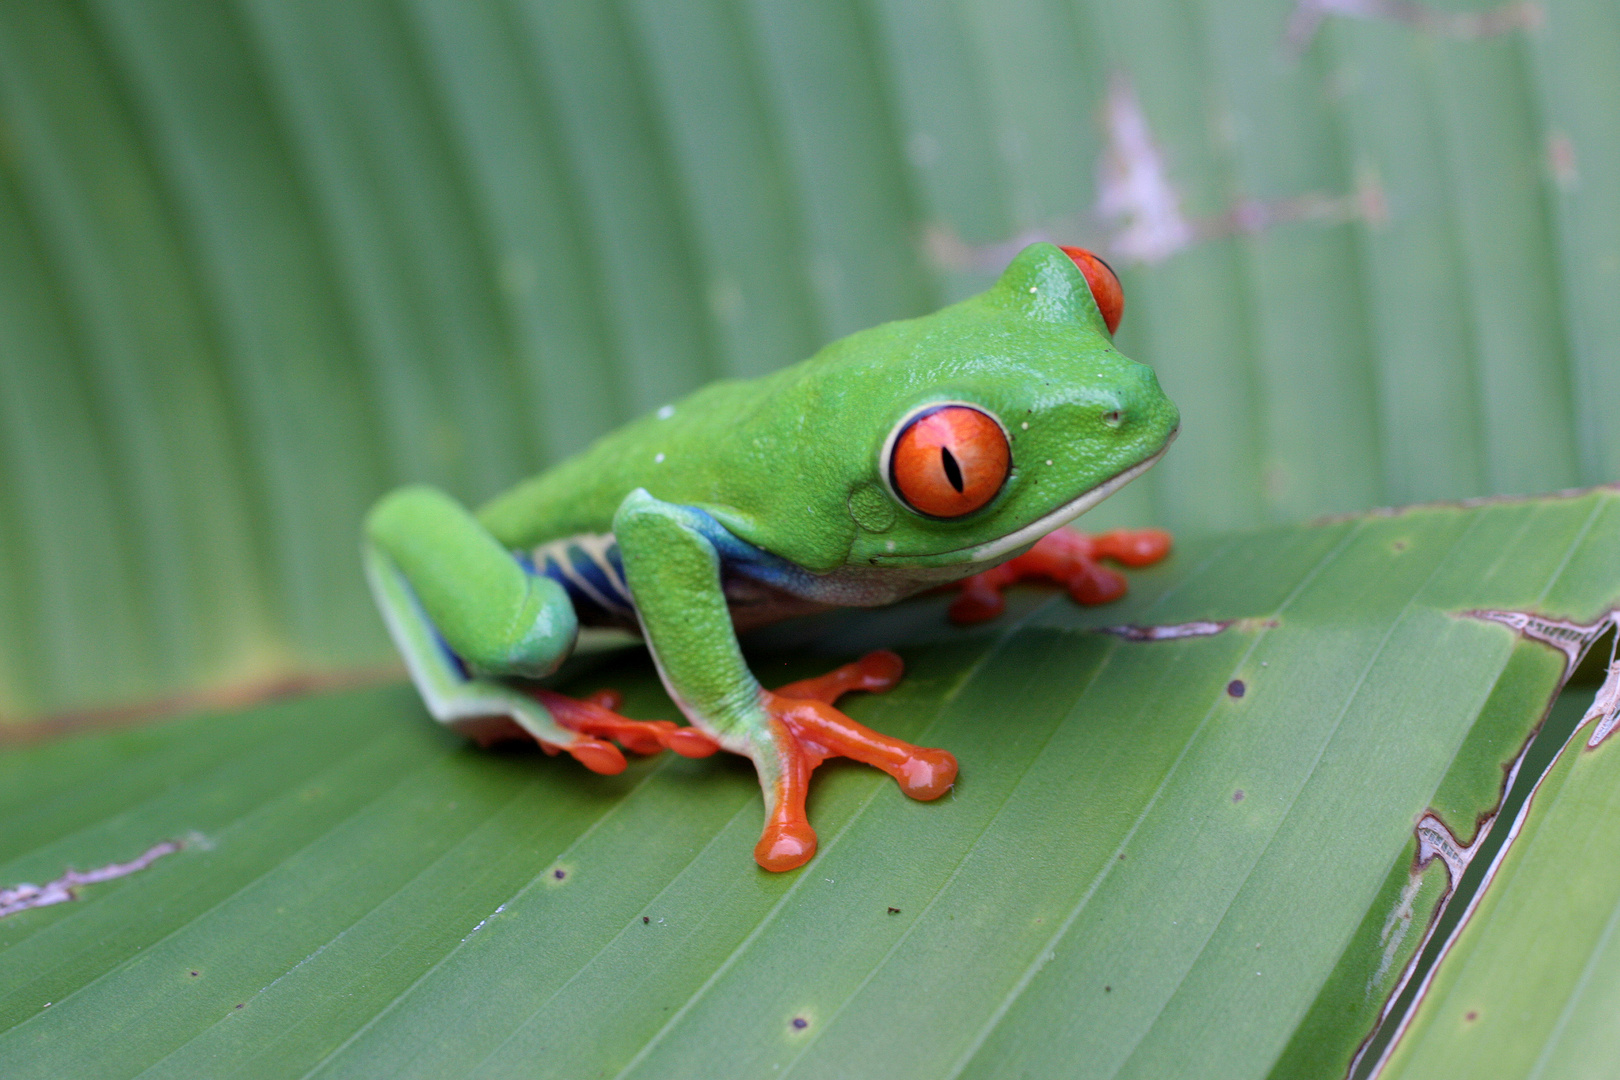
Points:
[953,471]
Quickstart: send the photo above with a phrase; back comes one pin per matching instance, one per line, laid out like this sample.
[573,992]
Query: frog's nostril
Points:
[1113,417]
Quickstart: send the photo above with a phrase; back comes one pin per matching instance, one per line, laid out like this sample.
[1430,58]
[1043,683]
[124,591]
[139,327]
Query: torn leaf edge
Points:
[1573,640]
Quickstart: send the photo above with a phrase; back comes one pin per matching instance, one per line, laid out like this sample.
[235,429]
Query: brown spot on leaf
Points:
[1237,796]
[1236,688]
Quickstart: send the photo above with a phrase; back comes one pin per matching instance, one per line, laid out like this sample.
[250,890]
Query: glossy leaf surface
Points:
[1160,860]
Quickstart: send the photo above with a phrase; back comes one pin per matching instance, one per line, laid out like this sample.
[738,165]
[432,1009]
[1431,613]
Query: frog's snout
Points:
[1144,410]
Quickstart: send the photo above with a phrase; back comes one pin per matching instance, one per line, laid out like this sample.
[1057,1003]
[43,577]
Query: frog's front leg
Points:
[674,575]
[463,613]
[1066,557]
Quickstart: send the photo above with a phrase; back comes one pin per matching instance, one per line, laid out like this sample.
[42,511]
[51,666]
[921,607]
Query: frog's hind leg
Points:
[483,708]
[806,730]
[596,716]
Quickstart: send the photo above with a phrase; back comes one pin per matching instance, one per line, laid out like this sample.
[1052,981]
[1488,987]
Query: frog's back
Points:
[670,451]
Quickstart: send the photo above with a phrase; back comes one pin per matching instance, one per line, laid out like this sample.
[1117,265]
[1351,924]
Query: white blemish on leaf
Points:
[1561,161]
[1308,16]
[1134,185]
[1604,713]
[658,458]
[666,411]
[1172,632]
[61,890]
[1395,926]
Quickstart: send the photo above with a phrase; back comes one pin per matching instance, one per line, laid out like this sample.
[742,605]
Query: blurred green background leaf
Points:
[261,260]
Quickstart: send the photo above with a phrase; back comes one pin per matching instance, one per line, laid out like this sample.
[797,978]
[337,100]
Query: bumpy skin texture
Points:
[781,482]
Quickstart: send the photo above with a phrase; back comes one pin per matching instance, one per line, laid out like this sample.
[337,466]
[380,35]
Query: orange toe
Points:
[1066,557]
[786,845]
[690,742]
[876,672]
[1093,584]
[598,756]
[927,774]
[594,719]
[1132,547]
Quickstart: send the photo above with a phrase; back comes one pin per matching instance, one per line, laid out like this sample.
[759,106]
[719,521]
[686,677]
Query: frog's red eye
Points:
[949,461]
[1104,285]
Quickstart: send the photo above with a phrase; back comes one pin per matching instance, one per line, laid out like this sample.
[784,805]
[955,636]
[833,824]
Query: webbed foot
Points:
[806,730]
[1069,558]
[594,722]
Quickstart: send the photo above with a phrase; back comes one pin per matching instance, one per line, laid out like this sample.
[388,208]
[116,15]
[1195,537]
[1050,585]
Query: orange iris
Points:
[950,461]
[1104,285]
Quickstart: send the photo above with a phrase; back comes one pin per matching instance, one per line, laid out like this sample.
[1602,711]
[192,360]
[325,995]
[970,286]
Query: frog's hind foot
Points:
[1066,557]
[806,730]
[594,721]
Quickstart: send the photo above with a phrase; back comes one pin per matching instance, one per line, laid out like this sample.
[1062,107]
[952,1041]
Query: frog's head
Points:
[973,432]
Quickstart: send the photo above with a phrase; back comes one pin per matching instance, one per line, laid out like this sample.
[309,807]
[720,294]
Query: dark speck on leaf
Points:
[1236,688]
[1108,989]
[800,1023]
[1237,796]
[559,874]
[646,919]
[239,1006]
[894,911]
[1122,856]
[1472,1016]
[194,973]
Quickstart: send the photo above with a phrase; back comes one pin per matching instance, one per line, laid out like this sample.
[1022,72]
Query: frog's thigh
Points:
[495,614]
[451,696]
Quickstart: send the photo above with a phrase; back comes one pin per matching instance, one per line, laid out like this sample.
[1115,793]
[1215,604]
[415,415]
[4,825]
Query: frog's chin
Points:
[999,549]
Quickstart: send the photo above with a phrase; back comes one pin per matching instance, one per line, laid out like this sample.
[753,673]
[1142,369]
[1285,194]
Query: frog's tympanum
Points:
[902,458]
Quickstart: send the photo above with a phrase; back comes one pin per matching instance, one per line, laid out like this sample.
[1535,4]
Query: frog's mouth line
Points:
[995,549]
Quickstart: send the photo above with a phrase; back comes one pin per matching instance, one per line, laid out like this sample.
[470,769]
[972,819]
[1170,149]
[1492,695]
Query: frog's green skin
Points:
[769,491]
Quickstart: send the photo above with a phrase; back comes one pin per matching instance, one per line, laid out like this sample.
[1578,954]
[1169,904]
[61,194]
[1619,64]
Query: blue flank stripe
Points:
[591,569]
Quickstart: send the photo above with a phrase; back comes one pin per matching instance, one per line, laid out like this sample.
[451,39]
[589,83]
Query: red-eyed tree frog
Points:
[899,459]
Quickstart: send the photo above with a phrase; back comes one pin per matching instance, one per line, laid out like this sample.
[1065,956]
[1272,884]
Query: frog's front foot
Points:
[1068,558]
[806,730]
